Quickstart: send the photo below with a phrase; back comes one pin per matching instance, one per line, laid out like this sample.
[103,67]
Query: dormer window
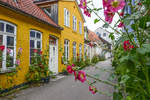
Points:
[48,11]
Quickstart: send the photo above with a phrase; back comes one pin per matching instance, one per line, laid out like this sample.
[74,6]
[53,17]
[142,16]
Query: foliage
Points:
[131,50]
[39,68]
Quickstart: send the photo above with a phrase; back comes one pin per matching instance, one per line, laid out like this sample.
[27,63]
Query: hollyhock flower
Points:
[92,89]
[82,76]
[116,5]
[108,16]
[8,50]
[87,13]
[121,14]
[106,3]
[35,51]
[131,46]
[73,65]
[2,47]
[83,4]
[127,45]
[20,50]
[40,52]
[121,25]
[18,62]
[69,69]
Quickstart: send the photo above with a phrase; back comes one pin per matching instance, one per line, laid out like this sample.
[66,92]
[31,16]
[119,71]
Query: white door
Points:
[53,55]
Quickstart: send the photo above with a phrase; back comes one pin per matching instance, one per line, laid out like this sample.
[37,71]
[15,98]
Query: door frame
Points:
[56,53]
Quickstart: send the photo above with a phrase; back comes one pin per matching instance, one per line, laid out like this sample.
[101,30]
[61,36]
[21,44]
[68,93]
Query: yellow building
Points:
[51,24]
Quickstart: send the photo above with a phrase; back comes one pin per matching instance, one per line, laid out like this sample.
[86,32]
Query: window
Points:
[66,49]
[35,43]
[74,50]
[104,34]
[80,51]
[48,11]
[74,23]
[80,27]
[7,39]
[66,17]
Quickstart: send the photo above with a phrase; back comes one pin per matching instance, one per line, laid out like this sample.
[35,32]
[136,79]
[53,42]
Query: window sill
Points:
[7,70]
[67,26]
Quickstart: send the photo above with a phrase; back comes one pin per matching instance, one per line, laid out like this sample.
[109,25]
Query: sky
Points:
[90,20]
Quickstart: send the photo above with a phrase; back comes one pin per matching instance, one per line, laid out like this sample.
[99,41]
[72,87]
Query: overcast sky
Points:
[90,20]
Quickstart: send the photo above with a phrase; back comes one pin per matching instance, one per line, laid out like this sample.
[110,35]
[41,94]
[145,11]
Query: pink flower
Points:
[35,51]
[2,47]
[20,50]
[92,89]
[87,13]
[121,25]
[82,76]
[116,5]
[106,3]
[108,16]
[8,50]
[83,4]
[18,62]
[69,69]
[73,65]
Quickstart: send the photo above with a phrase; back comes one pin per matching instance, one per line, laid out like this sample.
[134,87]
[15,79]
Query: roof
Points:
[27,7]
[92,36]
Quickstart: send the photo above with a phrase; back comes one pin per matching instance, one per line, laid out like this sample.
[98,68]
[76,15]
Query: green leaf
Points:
[106,25]
[111,35]
[117,96]
[96,20]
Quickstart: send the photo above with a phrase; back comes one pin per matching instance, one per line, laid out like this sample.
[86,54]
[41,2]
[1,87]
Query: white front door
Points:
[53,55]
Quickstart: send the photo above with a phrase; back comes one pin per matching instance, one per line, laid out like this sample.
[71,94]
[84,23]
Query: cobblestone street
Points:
[67,88]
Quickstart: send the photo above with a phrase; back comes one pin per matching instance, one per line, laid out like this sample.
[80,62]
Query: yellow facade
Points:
[24,24]
[68,32]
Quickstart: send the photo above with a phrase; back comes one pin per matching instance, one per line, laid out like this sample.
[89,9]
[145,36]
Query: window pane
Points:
[10,41]
[10,57]
[31,52]
[32,44]
[1,26]
[38,44]
[1,39]
[32,34]
[38,35]
[9,28]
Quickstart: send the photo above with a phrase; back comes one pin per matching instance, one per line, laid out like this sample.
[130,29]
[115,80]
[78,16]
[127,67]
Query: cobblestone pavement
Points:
[67,88]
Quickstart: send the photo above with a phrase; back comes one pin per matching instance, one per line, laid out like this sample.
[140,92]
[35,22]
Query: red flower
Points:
[35,51]
[139,4]
[87,13]
[83,4]
[121,14]
[69,69]
[121,25]
[2,47]
[41,52]
[92,89]
[127,45]
[81,76]
[73,65]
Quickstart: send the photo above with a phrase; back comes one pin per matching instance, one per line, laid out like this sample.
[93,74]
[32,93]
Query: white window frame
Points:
[80,51]
[5,34]
[35,42]
[74,49]
[80,27]
[74,23]
[66,47]
[66,17]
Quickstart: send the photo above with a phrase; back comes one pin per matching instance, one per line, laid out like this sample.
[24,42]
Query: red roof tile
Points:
[92,36]
[29,7]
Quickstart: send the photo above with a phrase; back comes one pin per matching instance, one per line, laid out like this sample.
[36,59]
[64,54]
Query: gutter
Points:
[6,5]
